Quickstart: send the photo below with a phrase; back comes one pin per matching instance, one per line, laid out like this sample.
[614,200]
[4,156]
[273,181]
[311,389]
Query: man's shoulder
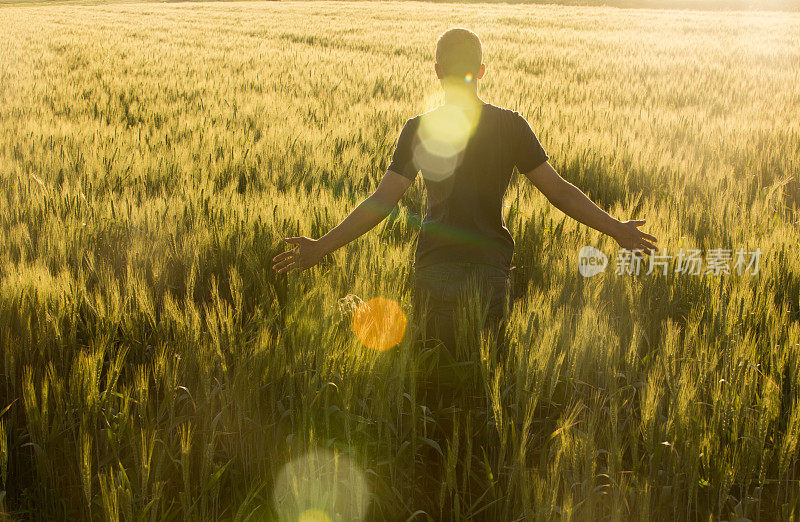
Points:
[414,120]
[489,107]
[422,115]
[508,119]
[503,112]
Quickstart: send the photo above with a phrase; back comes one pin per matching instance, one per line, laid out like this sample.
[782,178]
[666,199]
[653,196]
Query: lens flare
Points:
[468,77]
[443,135]
[321,486]
[379,323]
[314,515]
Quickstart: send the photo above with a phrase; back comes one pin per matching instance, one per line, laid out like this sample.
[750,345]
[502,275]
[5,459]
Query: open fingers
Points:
[287,269]
[283,255]
[648,245]
[281,266]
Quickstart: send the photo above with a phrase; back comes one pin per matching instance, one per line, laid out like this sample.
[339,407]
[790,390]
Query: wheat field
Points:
[154,367]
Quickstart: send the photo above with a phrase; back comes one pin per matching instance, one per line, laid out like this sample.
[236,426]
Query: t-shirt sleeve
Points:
[528,152]
[403,157]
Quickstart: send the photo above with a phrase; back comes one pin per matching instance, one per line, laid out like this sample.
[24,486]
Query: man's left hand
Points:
[306,253]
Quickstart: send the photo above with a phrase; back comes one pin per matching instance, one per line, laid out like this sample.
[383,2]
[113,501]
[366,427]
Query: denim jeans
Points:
[454,303]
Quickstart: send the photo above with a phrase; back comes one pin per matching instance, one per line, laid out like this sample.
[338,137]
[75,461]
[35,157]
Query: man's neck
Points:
[465,96]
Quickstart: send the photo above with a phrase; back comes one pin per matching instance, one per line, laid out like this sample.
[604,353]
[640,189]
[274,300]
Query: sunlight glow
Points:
[443,135]
[321,486]
[379,323]
[314,515]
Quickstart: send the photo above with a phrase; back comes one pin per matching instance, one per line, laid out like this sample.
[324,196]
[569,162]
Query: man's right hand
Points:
[628,236]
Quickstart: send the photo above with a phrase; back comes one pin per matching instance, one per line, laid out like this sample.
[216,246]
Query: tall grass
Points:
[154,368]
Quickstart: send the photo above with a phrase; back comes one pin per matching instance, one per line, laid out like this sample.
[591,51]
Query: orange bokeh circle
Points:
[379,323]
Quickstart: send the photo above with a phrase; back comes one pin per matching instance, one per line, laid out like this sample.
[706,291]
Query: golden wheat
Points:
[153,367]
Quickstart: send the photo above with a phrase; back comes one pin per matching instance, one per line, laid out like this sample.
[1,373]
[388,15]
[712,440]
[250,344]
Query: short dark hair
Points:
[458,52]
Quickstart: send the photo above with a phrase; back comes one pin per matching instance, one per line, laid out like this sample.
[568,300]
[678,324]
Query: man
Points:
[466,150]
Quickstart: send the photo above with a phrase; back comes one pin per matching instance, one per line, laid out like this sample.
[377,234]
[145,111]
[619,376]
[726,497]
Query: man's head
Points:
[458,56]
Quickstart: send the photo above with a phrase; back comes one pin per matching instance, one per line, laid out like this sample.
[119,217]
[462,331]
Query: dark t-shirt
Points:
[466,159]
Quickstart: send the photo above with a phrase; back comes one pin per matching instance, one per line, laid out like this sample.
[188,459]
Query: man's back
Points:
[466,155]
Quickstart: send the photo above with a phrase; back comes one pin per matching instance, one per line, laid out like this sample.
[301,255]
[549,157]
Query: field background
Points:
[703,5]
[153,367]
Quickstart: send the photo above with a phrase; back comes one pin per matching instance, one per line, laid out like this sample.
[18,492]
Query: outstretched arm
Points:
[569,199]
[308,252]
